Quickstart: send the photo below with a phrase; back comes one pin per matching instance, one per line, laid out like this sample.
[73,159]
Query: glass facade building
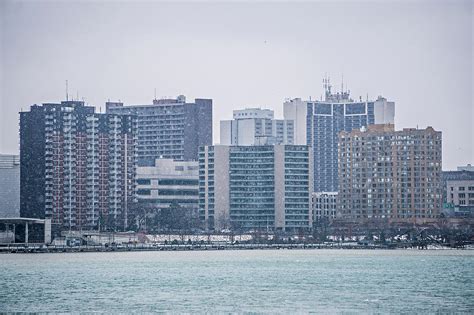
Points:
[318,124]
[255,187]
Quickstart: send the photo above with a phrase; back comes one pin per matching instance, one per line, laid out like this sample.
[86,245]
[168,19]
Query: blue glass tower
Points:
[318,123]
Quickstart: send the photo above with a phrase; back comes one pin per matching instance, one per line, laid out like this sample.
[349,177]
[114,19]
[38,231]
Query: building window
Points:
[143,182]
[144,192]
[178,182]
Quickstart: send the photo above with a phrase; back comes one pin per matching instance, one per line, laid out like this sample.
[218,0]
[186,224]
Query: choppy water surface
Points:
[297,281]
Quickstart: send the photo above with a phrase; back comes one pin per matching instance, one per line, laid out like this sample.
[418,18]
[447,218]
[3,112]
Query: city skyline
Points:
[236,156]
[243,55]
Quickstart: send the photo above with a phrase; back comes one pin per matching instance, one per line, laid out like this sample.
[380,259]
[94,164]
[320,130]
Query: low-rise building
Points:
[168,183]
[324,205]
[468,168]
[9,185]
[458,191]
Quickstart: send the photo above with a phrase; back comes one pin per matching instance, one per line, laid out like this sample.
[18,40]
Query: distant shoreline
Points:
[41,249]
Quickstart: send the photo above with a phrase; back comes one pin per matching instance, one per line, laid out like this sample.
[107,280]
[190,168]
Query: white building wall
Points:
[460,192]
[221,187]
[279,163]
[384,111]
[167,169]
[226,132]
[296,110]
[253,113]
[245,132]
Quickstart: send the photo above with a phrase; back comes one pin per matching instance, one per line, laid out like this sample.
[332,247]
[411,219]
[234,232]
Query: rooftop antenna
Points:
[67,95]
[77,93]
[155,94]
[342,84]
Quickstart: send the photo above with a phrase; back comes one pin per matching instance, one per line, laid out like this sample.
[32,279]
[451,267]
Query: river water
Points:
[243,281]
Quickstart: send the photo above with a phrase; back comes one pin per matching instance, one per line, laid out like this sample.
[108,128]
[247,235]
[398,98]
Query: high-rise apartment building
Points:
[317,124]
[256,126]
[255,187]
[77,167]
[169,128]
[9,185]
[388,174]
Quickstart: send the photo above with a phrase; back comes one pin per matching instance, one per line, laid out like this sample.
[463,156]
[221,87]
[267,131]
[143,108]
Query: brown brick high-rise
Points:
[388,174]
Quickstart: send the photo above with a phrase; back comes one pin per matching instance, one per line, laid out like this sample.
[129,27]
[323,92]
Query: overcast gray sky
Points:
[416,53]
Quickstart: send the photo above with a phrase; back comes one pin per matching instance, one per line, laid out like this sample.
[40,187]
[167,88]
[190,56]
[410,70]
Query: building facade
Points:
[9,185]
[255,187]
[169,128]
[468,168]
[390,175]
[256,126]
[458,191]
[324,206]
[318,123]
[169,183]
[78,167]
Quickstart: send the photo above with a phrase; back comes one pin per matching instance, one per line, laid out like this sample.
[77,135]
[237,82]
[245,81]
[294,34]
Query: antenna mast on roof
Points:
[327,86]
[342,84]
[155,94]
[67,95]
